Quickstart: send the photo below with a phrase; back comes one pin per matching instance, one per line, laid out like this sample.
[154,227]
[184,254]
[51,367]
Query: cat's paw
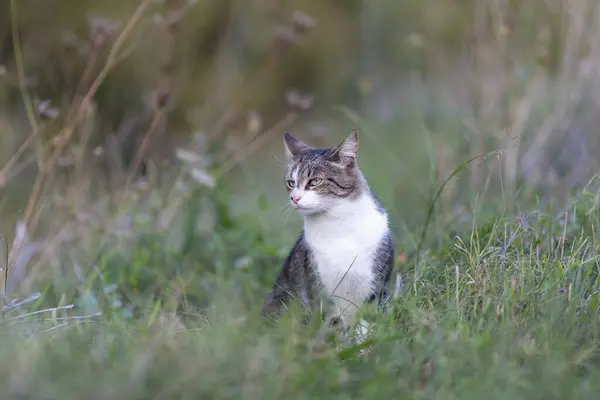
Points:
[336,322]
[363,330]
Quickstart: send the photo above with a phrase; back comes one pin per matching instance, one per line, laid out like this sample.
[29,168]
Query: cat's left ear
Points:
[347,151]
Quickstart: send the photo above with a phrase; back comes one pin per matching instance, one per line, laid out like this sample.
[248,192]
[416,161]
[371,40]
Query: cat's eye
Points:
[315,182]
[290,184]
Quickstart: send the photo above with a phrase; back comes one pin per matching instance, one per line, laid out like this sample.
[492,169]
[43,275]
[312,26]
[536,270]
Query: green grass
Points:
[507,309]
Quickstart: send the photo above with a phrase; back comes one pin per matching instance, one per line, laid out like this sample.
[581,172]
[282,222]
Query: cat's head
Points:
[318,180]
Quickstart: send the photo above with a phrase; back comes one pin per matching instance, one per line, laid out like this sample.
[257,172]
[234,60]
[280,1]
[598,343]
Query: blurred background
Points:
[121,117]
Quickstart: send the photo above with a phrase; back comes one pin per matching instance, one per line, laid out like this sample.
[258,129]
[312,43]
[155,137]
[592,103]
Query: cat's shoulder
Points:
[377,201]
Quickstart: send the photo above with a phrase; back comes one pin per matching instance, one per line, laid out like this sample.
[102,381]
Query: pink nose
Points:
[295,198]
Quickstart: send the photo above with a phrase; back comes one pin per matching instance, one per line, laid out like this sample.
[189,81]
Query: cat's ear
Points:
[347,151]
[293,145]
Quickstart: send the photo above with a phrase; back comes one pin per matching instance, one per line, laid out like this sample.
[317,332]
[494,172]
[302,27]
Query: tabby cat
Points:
[345,250]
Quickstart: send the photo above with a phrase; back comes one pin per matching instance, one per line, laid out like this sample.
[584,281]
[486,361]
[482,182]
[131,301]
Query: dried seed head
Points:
[74,44]
[70,40]
[203,177]
[188,156]
[285,36]
[306,102]
[100,29]
[319,130]
[303,22]
[173,21]
[161,97]
[291,97]
[298,101]
[45,111]
[254,122]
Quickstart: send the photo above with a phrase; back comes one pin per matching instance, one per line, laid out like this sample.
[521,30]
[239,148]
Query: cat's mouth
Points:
[299,207]
[303,210]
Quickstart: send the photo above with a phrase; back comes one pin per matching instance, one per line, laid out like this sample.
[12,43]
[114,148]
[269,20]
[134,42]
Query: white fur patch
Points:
[363,329]
[344,242]
[310,201]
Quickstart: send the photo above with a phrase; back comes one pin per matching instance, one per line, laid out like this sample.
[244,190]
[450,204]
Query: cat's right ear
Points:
[293,145]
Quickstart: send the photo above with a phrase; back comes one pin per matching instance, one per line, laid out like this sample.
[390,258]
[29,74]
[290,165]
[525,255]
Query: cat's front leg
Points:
[342,314]
[343,318]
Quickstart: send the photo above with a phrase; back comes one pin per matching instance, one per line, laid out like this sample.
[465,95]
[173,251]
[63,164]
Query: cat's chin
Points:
[304,210]
[309,212]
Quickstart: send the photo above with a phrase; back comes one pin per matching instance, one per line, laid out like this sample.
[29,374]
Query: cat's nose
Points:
[295,198]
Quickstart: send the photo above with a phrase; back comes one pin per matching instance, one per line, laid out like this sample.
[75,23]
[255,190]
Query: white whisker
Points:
[282,163]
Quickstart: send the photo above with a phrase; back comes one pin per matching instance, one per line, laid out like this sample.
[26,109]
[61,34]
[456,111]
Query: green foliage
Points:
[500,310]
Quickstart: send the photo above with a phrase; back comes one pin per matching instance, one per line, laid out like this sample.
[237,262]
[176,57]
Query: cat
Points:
[345,250]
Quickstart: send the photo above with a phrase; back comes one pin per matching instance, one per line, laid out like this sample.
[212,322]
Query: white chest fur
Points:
[344,244]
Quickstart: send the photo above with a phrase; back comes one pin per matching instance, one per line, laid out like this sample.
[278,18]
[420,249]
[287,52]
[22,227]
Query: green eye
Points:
[290,184]
[315,182]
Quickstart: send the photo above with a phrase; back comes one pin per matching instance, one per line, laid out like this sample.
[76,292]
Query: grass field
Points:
[506,309]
